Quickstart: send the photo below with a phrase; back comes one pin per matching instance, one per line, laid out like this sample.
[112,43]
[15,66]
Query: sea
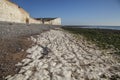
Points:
[93,27]
[103,27]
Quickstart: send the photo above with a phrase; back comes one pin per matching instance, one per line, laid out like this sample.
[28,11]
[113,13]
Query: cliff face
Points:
[56,21]
[32,21]
[11,12]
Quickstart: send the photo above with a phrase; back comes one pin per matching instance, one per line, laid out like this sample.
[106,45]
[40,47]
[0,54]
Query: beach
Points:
[56,54]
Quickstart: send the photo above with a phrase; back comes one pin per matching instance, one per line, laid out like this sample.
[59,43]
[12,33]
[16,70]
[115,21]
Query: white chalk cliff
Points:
[10,12]
[57,55]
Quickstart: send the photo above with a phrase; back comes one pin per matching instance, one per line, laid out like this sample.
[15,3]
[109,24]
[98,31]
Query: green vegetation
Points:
[103,38]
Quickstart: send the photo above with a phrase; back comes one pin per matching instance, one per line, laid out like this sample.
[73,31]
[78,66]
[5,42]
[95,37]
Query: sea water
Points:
[104,27]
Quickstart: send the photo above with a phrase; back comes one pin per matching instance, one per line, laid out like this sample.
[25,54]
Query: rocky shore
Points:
[14,43]
[12,30]
[58,55]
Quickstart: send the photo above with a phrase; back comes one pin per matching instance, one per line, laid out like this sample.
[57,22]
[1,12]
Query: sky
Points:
[75,12]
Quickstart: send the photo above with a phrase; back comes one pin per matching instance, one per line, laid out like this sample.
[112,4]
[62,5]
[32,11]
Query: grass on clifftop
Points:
[104,39]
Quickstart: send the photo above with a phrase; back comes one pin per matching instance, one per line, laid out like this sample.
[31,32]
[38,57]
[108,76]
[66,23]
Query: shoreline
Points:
[56,54]
[55,38]
[95,27]
[104,38]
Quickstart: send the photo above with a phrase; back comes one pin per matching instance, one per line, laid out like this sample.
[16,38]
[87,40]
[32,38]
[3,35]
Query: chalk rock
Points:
[67,59]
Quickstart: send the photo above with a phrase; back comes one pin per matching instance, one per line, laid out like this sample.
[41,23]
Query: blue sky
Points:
[75,12]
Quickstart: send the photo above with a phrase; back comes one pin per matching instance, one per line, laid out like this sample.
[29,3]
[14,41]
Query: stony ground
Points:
[57,55]
[14,43]
[12,51]
[14,30]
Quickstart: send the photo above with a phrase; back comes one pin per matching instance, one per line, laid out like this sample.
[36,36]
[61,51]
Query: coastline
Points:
[93,27]
[31,54]
[56,54]
[103,38]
